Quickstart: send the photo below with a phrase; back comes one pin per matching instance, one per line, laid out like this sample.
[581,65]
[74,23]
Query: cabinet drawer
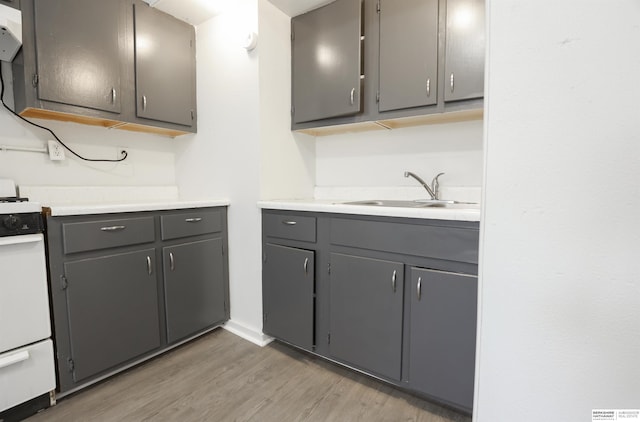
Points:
[94,235]
[191,223]
[292,227]
[439,242]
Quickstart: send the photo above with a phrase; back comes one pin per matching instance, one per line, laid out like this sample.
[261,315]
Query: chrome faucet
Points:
[433,190]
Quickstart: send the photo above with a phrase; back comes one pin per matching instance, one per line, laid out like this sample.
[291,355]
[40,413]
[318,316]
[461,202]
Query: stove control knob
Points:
[12,222]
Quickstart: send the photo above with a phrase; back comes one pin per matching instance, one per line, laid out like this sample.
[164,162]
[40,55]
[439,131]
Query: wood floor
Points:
[221,377]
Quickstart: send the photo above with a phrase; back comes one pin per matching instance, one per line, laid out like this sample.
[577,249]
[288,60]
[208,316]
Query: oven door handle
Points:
[14,358]
[18,239]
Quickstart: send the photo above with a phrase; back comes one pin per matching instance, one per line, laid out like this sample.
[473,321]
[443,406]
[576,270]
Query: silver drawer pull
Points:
[144,102]
[290,223]
[428,87]
[306,265]
[112,228]
[452,82]
[149,269]
[352,96]
[113,95]
[419,288]
[172,262]
[193,220]
[393,280]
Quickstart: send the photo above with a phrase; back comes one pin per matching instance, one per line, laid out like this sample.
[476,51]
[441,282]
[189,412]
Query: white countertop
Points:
[457,212]
[63,209]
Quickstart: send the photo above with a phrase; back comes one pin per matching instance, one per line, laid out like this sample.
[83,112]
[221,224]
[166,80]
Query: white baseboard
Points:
[247,333]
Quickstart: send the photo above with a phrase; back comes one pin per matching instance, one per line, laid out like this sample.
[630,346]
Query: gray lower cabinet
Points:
[127,286]
[194,287]
[442,335]
[288,294]
[366,313]
[113,310]
[393,297]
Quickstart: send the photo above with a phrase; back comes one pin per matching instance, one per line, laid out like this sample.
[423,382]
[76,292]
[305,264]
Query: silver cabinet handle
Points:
[290,223]
[112,228]
[144,102]
[428,87]
[172,262]
[113,95]
[306,265]
[393,280]
[193,220]
[149,269]
[419,288]
[451,82]
[353,96]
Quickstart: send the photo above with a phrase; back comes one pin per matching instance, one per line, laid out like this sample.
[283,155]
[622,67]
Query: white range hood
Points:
[10,32]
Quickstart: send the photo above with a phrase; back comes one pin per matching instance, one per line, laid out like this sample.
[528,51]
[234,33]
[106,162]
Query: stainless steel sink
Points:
[419,203]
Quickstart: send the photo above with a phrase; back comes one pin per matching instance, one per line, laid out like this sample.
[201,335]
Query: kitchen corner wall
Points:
[244,149]
[150,162]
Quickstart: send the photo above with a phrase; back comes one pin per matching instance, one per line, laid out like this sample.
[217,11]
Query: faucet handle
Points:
[435,186]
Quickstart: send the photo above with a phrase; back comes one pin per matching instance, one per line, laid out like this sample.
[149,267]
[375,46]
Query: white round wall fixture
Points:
[250,41]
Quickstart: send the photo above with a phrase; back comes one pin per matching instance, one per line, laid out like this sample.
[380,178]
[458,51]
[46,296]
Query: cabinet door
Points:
[165,67]
[408,53]
[443,335]
[326,61]
[194,287]
[78,52]
[287,289]
[366,313]
[464,57]
[113,310]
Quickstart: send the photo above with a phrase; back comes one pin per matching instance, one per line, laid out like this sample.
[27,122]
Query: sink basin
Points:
[419,203]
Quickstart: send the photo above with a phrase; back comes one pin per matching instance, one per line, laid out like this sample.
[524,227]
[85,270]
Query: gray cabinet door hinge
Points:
[222,250]
[71,364]
[329,268]
[64,283]
[378,7]
[34,81]
[193,115]
[377,96]
[328,338]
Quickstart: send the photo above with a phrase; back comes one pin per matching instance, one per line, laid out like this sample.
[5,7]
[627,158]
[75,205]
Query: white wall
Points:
[223,159]
[560,275]
[150,161]
[244,150]
[288,159]
[380,158]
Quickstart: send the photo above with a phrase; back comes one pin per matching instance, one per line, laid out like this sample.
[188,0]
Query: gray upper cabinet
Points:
[366,313]
[408,53]
[194,287]
[117,64]
[326,63]
[78,54]
[112,310]
[465,49]
[288,289]
[165,67]
[442,335]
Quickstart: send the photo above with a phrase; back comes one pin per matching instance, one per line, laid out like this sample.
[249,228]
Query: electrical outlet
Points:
[56,152]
